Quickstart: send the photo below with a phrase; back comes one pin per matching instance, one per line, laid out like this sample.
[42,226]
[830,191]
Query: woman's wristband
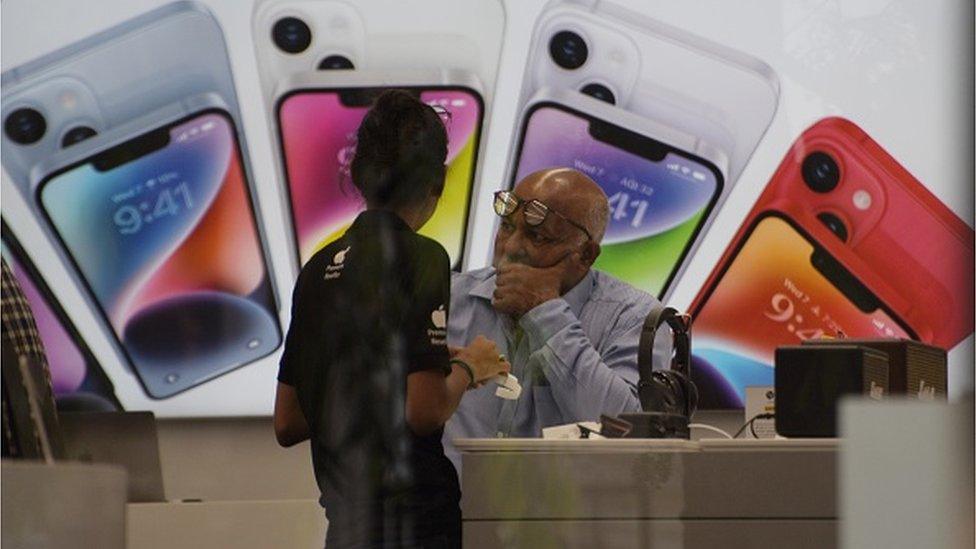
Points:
[464,365]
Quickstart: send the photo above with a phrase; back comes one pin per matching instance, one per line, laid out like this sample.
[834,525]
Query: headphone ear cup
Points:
[678,390]
[672,392]
[662,396]
[684,390]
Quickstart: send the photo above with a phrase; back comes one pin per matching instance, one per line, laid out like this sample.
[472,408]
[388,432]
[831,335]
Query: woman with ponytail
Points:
[366,373]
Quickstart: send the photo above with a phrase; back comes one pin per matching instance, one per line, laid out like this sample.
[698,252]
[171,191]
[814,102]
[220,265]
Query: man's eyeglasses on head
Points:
[535,212]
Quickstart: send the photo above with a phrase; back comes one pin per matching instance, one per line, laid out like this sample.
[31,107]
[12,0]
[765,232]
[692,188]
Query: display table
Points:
[649,493]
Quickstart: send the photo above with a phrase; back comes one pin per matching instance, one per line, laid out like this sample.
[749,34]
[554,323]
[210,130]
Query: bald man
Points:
[570,332]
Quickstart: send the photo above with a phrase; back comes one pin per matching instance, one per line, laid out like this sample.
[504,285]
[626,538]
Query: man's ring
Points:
[501,358]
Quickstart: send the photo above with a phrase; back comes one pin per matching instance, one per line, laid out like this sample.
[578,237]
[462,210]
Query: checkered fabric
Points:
[20,330]
[18,320]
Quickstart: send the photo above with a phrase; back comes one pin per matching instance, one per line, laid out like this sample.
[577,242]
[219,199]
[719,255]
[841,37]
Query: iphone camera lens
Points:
[76,134]
[820,172]
[25,126]
[600,92]
[334,62]
[834,223]
[568,50]
[291,35]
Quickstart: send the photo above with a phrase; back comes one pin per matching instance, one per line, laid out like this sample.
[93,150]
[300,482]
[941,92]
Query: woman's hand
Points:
[484,359]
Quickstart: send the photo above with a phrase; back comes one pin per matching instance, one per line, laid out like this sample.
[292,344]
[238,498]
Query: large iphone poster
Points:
[817,177]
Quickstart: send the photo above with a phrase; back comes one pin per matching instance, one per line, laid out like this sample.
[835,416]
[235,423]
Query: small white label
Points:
[761,400]
[925,392]
[877,391]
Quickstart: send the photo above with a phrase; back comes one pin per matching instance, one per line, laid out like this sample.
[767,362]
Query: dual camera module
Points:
[569,51]
[292,35]
[26,126]
[821,174]
[819,170]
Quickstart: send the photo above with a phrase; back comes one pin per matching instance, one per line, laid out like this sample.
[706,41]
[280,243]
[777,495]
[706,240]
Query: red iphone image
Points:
[843,240]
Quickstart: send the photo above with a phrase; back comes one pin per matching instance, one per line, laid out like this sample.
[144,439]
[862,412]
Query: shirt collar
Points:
[375,218]
[576,297]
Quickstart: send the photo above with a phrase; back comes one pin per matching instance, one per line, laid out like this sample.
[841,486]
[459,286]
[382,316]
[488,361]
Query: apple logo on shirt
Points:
[439,318]
[334,271]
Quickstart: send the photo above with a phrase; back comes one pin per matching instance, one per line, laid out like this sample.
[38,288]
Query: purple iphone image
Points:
[660,195]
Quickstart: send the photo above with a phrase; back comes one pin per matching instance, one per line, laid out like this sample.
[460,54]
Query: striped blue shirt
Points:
[575,357]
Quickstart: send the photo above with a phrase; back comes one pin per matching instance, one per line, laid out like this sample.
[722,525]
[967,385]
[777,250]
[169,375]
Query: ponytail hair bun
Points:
[401,152]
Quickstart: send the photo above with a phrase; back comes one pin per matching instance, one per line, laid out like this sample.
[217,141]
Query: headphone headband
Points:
[680,326]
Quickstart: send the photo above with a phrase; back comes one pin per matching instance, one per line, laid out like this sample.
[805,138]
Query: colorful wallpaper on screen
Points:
[169,247]
[771,295]
[318,137]
[656,207]
[73,371]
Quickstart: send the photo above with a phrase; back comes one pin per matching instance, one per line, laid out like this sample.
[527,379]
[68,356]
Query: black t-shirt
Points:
[369,309]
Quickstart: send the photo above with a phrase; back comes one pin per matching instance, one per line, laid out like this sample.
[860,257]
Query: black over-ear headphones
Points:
[668,397]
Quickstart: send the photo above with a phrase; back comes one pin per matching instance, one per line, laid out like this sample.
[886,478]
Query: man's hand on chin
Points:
[520,288]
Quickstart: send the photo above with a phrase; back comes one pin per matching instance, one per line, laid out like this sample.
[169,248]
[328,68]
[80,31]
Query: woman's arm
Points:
[289,421]
[432,398]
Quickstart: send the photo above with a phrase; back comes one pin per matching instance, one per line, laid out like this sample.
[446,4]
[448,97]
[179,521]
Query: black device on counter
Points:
[668,397]
[811,379]
[915,369]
